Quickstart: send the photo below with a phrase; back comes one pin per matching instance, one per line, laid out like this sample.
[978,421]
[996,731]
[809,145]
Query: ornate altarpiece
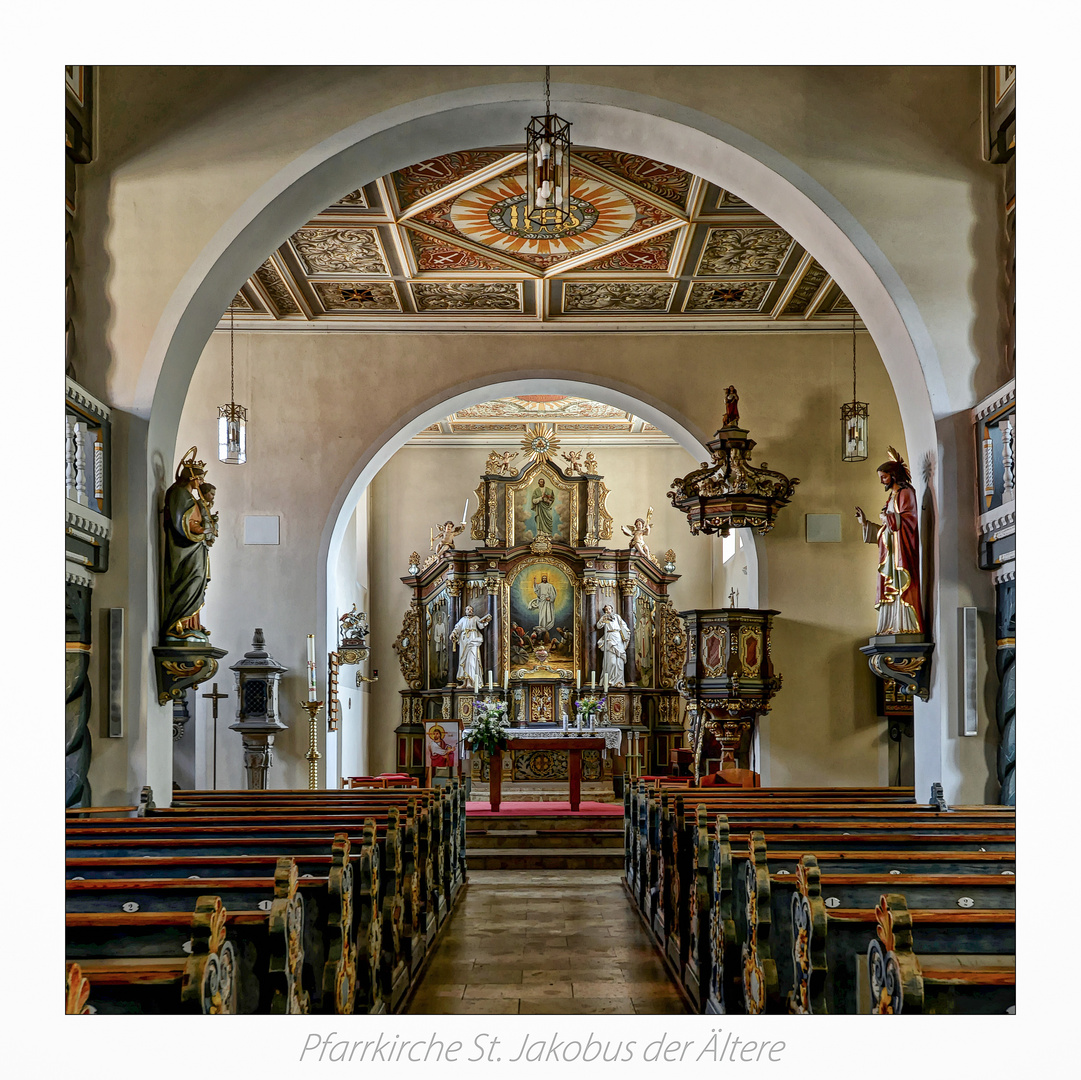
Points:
[541,526]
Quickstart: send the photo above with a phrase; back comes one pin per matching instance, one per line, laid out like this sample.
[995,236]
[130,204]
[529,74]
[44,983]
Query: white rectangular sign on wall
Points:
[261,529]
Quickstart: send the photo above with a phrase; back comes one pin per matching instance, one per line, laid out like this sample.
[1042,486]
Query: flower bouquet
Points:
[590,712]
[488,728]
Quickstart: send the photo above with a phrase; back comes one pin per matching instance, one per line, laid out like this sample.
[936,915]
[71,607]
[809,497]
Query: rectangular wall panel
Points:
[116,673]
[969,715]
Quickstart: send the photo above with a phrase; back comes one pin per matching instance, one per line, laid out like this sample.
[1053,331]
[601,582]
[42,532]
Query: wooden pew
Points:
[682,918]
[271,953]
[899,980]
[344,921]
[109,972]
[805,940]
[221,829]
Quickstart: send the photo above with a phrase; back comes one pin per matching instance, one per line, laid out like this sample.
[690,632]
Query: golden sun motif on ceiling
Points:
[493,215]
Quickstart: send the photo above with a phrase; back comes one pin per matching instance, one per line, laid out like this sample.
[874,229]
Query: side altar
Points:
[543,615]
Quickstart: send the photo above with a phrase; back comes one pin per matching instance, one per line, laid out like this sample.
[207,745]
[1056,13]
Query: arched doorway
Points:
[436,125]
[352,495]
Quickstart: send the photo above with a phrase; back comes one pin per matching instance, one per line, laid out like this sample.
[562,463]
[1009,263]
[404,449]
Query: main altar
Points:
[544,615]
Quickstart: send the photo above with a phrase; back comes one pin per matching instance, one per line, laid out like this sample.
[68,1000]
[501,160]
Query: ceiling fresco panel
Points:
[357,295]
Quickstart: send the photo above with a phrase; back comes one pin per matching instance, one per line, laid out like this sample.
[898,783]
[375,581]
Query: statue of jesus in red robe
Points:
[897,535]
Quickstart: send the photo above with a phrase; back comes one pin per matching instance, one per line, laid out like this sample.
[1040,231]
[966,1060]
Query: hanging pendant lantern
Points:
[548,167]
[232,419]
[854,417]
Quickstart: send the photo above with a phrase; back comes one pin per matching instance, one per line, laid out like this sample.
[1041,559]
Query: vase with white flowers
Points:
[487,730]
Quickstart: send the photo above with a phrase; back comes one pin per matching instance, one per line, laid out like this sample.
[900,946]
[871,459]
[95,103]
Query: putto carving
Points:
[339,251]
[638,533]
[573,458]
[501,464]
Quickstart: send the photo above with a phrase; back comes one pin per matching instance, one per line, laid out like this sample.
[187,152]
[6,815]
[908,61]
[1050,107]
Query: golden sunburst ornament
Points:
[540,442]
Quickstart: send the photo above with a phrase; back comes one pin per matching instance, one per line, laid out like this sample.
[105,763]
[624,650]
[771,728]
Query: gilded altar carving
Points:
[673,645]
[476,522]
[407,646]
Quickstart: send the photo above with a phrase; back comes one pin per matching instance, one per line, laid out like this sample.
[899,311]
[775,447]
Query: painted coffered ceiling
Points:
[444,244]
[576,420]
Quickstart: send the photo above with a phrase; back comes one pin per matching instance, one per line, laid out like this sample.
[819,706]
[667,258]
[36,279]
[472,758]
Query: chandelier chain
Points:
[232,394]
[547,90]
[853,355]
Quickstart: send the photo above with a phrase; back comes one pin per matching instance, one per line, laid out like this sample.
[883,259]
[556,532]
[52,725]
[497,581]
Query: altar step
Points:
[581,842]
[533,791]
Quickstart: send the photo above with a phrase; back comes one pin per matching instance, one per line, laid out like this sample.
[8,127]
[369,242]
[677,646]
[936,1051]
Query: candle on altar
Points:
[311,668]
[577,679]
[465,510]
[604,683]
[593,680]
[506,680]
[489,680]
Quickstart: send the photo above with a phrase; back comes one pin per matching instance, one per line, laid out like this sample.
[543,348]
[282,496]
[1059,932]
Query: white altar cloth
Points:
[612,736]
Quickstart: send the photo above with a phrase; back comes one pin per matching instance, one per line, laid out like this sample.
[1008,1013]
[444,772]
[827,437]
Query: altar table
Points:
[573,745]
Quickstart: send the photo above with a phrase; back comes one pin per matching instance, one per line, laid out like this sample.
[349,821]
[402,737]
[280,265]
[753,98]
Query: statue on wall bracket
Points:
[899,650]
[184,656]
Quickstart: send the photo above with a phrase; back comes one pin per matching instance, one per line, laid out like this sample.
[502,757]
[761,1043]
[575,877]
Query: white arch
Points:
[493,115]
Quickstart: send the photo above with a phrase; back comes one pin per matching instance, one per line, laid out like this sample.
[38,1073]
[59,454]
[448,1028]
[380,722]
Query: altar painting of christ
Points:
[541,617]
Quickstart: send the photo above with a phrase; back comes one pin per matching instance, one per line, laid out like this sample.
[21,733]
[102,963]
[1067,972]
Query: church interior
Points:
[709,414]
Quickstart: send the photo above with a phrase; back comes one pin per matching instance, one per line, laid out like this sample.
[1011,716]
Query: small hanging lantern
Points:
[854,417]
[232,419]
[548,166]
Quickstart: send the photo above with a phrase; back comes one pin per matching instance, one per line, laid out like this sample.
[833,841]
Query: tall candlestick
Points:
[312,696]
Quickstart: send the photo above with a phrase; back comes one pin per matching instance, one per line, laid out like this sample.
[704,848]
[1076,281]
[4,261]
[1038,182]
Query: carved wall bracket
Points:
[906,663]
[178,667]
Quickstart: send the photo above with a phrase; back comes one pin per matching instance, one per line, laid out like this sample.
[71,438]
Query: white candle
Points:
[593,680]
[604,683]
[506,680]
[311,668]
[465,510]
[489,680]
[577,679]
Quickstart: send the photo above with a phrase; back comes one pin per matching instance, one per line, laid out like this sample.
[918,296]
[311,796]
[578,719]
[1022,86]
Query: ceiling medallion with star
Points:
[540,442]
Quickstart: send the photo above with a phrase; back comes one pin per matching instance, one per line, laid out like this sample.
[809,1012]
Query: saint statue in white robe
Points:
[467,634]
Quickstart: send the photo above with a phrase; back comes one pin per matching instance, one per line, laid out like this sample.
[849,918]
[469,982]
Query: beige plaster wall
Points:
[319,403]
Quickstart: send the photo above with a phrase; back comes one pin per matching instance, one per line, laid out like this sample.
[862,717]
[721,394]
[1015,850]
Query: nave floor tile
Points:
[545,941]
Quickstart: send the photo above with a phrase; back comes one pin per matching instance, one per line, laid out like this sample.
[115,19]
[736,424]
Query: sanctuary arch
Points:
[414,130]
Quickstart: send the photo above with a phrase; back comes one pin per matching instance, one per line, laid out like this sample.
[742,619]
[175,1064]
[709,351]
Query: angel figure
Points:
[638,533]
[573,458]
[447,532]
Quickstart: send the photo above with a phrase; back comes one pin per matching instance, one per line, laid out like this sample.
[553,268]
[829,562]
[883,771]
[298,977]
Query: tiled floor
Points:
[545,941]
